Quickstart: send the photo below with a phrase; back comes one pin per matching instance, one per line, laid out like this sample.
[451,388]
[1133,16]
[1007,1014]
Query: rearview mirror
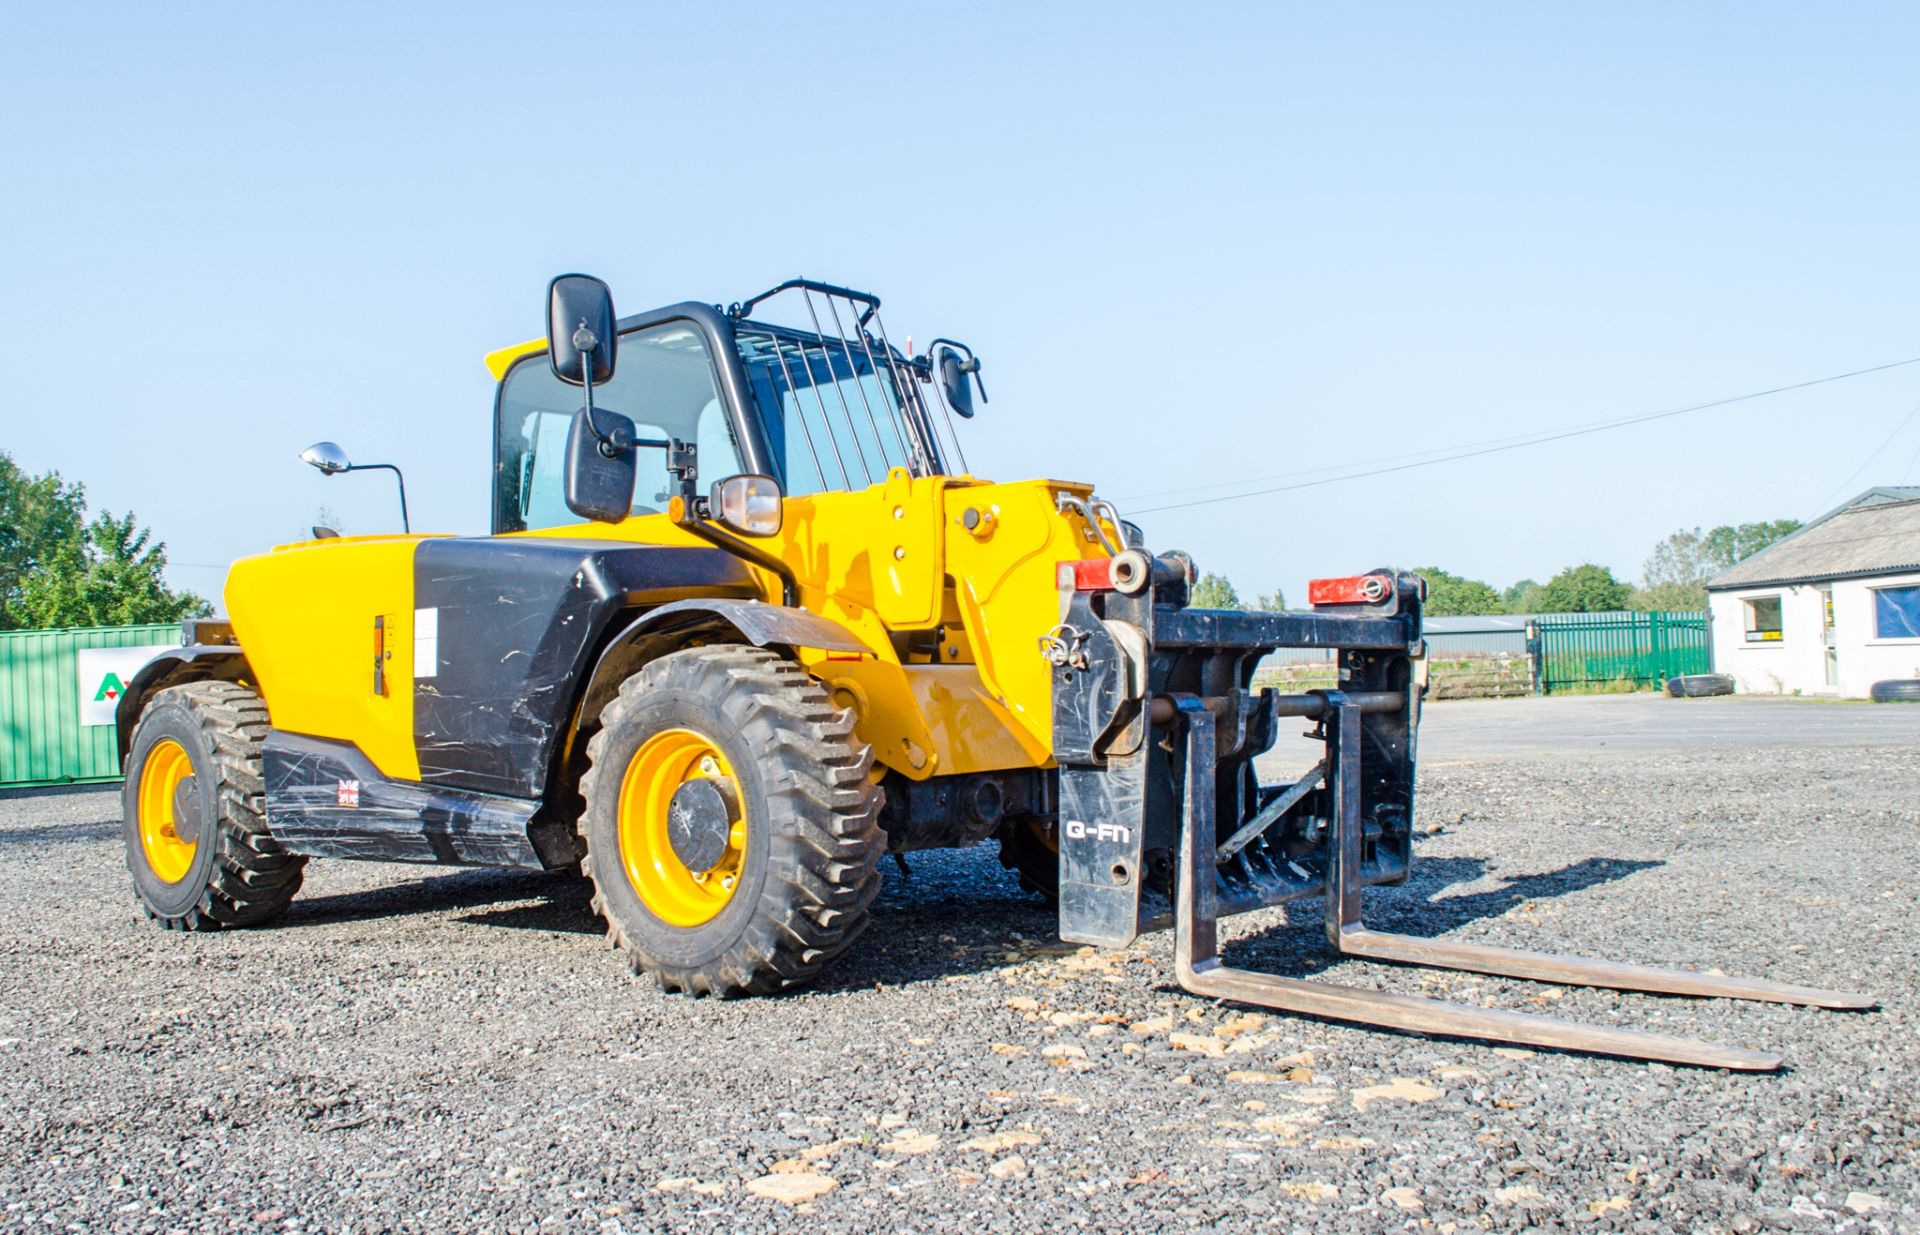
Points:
[748,504]
[952,368]
[599,483]
[581,331]
[329,458]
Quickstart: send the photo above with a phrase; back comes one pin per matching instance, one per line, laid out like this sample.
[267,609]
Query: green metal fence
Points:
[57,690]
[1618,650]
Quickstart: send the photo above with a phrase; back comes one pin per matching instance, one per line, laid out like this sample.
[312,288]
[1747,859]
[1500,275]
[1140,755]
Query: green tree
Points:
[1450,595]
[58,569]
[1522,597]
[111,574]
[1272,602]
[1743,540]
[37,515]
[1586,588]
[1677,573]
[1215,592]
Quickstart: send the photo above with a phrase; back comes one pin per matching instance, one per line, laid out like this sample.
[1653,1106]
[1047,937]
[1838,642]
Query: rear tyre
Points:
[194,812]
[1030,848]
[1896,690]
[732,829]
[1700,685]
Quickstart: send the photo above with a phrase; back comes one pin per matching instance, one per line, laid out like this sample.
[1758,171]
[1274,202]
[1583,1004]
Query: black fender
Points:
[681,623]
[757,622]
[684,623]
[193,663]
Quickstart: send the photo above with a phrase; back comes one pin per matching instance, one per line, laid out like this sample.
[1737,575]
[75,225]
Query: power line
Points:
[1897,431]
[1498,445]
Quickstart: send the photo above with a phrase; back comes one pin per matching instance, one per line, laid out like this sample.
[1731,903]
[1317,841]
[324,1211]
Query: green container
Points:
[42,738]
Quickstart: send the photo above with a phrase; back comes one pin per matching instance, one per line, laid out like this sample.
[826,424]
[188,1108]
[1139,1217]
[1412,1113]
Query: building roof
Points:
[1875,496]
[1873,535]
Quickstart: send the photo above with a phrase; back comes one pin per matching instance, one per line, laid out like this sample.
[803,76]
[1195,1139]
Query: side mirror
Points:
[599,483]
[747,504]
[952,368]
[329,458]
[581,332]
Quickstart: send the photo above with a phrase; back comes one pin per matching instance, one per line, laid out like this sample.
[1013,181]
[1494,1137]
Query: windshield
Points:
[832,421]
[664,383]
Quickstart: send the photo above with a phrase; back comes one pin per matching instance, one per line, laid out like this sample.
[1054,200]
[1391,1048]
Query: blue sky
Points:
[1192,244]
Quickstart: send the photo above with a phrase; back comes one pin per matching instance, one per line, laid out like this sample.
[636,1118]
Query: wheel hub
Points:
[186,811]
[168,811]
[683,827]
[699,823]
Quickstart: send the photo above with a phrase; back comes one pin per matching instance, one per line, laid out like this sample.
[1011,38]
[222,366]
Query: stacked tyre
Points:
[1896,690]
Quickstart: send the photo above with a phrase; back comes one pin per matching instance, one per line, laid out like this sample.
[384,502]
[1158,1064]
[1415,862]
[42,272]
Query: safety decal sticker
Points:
[426,643]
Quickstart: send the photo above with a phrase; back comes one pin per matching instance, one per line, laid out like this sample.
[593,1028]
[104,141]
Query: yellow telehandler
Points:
[744,626]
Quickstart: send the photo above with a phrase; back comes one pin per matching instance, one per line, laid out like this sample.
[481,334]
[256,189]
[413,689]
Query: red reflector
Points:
[1353,590]
[1088,575]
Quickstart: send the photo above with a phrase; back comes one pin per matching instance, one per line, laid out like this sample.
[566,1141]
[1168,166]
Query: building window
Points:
[1896,613]
[1763,619]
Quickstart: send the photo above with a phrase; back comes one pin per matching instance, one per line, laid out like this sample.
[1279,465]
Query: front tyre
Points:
[194,812]
[1030,848]
[732,828]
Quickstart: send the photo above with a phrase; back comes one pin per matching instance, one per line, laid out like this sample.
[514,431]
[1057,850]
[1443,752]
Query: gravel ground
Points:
[429,1051]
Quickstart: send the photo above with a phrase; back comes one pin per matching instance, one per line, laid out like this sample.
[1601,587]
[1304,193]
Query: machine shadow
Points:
[60,834]
[960,913]
[1417,908]
[964,895]
[560,901]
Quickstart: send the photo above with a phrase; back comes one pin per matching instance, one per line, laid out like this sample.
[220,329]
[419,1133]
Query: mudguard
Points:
[759,623]
[193,663]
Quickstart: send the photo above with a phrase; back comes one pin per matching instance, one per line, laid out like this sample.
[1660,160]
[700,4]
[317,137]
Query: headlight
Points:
[748,504]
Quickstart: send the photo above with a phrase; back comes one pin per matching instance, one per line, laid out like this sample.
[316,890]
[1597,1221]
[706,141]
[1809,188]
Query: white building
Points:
[1831,609]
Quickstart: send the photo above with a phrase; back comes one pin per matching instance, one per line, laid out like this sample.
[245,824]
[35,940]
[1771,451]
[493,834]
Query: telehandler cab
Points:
[745,625]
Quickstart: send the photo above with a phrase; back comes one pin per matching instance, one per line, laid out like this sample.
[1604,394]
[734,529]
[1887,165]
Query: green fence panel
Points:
[1602,650]
[45,737]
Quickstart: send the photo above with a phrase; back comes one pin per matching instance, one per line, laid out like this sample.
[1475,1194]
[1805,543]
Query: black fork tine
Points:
[1201,970]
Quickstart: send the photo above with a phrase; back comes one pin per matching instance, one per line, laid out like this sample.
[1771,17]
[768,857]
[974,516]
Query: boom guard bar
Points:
[1163,820]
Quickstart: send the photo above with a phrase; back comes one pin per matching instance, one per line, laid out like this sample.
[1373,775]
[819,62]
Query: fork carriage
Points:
[1164,821]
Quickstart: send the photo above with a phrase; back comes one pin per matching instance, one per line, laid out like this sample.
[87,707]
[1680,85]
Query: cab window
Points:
[832,415]
[664,383]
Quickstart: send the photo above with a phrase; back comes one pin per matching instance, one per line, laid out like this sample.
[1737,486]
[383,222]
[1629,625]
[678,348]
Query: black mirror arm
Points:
[405,526]
[777,566]
[610,443]
[683,462]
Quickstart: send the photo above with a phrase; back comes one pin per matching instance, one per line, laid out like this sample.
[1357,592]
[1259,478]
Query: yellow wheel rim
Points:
[168,766]
[673,893]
